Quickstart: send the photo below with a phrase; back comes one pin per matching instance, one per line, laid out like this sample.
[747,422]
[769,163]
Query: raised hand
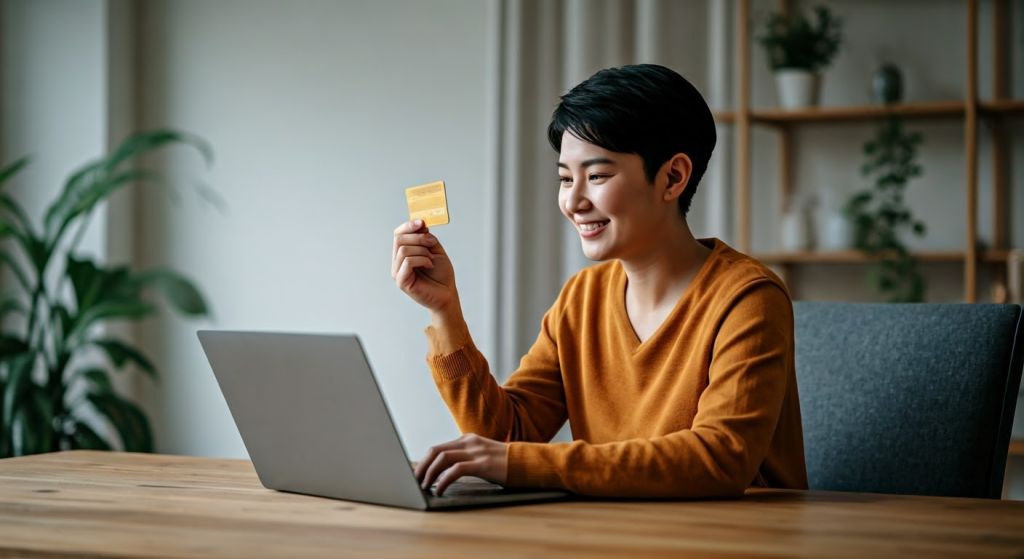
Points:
[421,268]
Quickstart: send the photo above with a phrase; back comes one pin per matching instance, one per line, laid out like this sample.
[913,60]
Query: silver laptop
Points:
[314,421]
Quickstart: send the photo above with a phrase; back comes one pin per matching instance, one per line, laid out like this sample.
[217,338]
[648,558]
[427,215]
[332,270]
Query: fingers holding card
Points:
[429,203]
[419,265]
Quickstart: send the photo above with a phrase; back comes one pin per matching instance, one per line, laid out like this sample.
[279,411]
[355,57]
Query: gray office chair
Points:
[909,399]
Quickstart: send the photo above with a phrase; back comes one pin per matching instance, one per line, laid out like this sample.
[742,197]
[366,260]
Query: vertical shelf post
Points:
[743,128]
[785,135]
[971,154]
[1000,205]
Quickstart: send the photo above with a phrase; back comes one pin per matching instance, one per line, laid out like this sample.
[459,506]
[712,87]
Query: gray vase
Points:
[887,84]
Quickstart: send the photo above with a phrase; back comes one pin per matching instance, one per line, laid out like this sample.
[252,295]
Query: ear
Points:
[678,170]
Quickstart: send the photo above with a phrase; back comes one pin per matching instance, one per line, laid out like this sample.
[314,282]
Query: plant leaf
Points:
[98,379]
[92,284]
[24,438]
[113,310]
[16,210]
[29,245]
[85,438]
[83,199]
[6,258]
[63,322]
[9,171]
[87,174]
[42,415]
[211,196]
[141,143]
[19,385]
[11,345]
[121,354]
[181,293]
[11,304]
[127,418]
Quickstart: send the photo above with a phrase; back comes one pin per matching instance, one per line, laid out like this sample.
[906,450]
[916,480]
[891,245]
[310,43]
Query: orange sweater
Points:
[704,408]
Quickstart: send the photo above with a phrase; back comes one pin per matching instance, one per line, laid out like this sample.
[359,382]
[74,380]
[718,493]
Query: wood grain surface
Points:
[96,504]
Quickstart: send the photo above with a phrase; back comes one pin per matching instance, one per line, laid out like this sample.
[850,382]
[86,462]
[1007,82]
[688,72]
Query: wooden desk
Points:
[109,504]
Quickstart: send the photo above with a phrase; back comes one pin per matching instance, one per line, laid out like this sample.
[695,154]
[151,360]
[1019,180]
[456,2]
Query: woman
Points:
[672,360]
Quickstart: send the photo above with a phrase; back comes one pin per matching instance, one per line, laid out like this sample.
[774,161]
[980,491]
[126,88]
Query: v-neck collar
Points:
[619,290]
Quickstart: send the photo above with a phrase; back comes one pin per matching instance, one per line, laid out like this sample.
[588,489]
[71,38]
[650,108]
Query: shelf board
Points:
[724,117]
[995,256]
[1002,107]
[1016,447]
[935,109]
[848,257]
[854,256]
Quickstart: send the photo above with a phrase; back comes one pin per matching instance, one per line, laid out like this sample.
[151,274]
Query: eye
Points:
[564,180]
[597,177]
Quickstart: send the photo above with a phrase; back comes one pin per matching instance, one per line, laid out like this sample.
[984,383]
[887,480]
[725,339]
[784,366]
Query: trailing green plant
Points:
[794,42]
[881,218]
[48,385]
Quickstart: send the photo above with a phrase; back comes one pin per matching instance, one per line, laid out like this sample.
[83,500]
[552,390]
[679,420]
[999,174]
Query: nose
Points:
[576,199]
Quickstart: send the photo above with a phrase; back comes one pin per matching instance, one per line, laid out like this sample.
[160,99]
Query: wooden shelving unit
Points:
[943,109]
[968,110]
[857,257]
[1016,447]
[846,257]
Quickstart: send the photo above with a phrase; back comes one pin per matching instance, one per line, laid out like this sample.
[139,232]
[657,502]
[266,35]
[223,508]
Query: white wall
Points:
[321,114]
[54,96]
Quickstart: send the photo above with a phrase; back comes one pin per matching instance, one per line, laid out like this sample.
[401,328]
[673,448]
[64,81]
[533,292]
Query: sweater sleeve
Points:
[530,407]
[720,454]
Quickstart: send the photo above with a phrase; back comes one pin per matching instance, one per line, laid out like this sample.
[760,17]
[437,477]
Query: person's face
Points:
[605,194]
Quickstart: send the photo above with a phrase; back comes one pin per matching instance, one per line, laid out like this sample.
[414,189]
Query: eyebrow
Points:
[590,162]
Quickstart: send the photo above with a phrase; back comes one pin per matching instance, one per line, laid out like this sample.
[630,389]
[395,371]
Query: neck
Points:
[660,275]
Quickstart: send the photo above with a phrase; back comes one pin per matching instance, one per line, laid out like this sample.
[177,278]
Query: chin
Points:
[595,254]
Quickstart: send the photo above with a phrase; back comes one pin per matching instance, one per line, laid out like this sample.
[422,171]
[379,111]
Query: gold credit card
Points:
[429,203]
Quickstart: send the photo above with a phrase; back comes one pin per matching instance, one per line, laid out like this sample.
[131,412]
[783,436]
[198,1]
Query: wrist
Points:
[448,315]
[448,329]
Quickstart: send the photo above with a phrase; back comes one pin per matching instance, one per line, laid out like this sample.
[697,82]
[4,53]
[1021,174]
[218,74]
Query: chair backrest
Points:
[908,398]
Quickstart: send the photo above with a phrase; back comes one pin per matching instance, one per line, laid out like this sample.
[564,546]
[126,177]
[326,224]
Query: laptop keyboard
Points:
[468,492]
[458,489]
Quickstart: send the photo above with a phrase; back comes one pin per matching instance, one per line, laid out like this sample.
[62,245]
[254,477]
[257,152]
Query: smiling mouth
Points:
[594,226]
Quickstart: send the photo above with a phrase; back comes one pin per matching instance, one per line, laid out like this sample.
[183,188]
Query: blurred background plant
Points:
[793,42]
[798,51]
[881,217]
[51,388]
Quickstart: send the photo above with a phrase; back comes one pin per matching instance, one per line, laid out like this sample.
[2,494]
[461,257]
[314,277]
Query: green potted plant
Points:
[880,216]
[49,385]
[797,52]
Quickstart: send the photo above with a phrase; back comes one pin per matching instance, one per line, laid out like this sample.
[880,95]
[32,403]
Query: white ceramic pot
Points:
[795,231]
[836,232]
[797,88]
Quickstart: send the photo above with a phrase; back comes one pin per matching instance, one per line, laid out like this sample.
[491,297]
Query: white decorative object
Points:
[836,232]
[797,88]
[795,230]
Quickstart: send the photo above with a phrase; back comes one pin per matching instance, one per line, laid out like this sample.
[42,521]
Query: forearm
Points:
[684,465]
[448,331]
[531,407]
[472,395]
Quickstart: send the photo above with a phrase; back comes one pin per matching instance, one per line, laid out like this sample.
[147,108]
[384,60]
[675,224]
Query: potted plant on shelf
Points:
[52,387]
[797,52]
[880,216]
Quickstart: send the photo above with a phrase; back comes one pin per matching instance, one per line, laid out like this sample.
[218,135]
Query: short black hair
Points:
[644,109]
